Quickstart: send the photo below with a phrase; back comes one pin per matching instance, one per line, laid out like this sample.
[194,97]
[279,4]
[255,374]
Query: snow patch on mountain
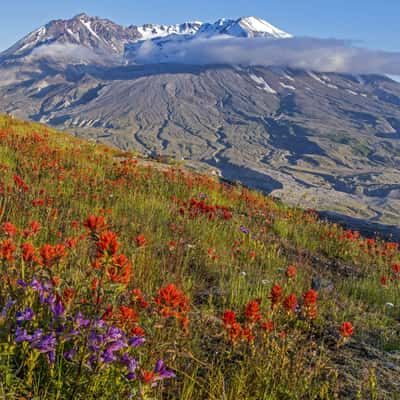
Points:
[150,31]
[261,82]
[242,27]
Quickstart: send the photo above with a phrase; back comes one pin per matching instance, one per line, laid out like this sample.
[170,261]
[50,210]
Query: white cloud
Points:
[328,55]
[71,53]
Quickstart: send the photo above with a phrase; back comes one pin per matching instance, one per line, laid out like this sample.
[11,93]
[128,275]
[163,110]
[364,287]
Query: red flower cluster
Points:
[310,304]
[291,271]
[107,245]
[233,328]
[253,312]
[117,266]
[290,303]
[141,241]
[9,229]
[95,223]
[51,255]
[346,329]
[276,295]
[7,250]
[195,208]
[28,253]
[171,302]
[20,184]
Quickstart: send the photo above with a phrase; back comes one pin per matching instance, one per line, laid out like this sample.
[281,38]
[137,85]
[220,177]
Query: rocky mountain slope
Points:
[324,140]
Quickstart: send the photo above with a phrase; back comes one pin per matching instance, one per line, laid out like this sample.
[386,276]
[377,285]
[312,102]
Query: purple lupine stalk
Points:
[114,334]
[21,335]
[136,341]
[46,344]
[108,357]
[25,315]
[131,364]
[81,321]
[162,372]
[116,346]
[22,283]
[7,307]
[57,309]
[244,229]
[37,335]
[69,355]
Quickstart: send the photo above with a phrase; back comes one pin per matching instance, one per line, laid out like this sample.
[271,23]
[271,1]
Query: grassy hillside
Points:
[121,279]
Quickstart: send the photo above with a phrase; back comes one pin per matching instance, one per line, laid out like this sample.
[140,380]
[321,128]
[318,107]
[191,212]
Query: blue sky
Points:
[370,23]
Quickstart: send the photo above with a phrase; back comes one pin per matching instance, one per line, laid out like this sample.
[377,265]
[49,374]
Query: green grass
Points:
[217,263]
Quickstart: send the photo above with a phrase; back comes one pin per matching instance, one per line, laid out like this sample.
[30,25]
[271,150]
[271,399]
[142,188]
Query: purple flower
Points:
[162,372]
[244,229]
[7,307]
[37,335]
[108,357]
[114,334]
[99,324]
[69,355]
[136,341]
[47,298]
[74,332]
[21,335]
[130,376]
[131,364]
[46,344]
[25,315]
[22,283]
[95,341]
[81,321]
[52,356]
[57,309]
[36,285]
[116,346]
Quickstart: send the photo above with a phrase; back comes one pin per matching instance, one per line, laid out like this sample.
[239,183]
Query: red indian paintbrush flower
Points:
[276,295]
[127,315]
[28,253]
[291,271]
[310,306]
[52,254]
[268,326]
[173,303]
[346,329]
[290,302]
[107,244]
[252,311]
[19,182]
[9,229]
[141,241]
[229,318]
[7,248]
[310,297]
[94,223]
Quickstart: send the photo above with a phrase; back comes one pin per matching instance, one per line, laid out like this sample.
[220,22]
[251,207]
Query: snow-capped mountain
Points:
[323,139]
[243,27]
[85,39]
[97,34]
[150,31]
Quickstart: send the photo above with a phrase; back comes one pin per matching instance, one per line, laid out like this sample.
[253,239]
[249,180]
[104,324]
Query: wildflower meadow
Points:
[129,280]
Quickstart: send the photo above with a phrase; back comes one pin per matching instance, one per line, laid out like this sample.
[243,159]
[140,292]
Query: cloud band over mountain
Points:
[327,55]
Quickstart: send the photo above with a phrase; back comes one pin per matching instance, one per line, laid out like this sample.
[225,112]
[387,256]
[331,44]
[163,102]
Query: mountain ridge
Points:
[109,38]
[328,141]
